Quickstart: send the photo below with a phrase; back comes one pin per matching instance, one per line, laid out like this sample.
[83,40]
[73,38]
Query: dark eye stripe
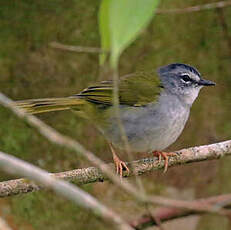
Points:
[186,78]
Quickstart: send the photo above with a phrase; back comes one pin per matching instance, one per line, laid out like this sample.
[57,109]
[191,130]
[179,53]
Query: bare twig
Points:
[16,166]
[197,8]
[155,218]
[166,214]
[59,139]
[79,49]
[208,6]
[139,167]
[121,127]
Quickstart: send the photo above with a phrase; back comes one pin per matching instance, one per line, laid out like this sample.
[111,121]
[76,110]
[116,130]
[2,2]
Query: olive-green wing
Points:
[135,89]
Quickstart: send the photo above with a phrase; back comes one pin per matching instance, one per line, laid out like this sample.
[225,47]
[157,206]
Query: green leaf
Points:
[126,20]
[103,19]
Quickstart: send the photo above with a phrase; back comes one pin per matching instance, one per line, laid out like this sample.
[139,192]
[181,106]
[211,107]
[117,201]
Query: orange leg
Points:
[165,155]
[119,165]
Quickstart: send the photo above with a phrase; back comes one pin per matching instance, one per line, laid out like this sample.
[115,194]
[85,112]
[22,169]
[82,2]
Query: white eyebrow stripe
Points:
[195,77]
[192,76]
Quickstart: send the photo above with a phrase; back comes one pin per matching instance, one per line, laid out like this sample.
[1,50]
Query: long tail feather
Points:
[34,106]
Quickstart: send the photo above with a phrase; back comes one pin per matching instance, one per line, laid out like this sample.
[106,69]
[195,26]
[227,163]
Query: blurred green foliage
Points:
[120,22]
[54,215]
[29,68]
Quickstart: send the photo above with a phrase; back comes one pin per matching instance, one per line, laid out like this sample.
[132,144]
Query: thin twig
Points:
[197,8]
[59,139]
[208,6]
[122,130]
[79,49]
[17,167]
[166,214]
[155,218]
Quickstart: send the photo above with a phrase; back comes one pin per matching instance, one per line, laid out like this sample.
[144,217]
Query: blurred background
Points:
[31,68]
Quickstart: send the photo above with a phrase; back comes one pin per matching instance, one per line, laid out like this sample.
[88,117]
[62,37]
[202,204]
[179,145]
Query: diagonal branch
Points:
[79,49]
[16,166]
[97,50]
[208,6]
[139,167]
[166,214]
[57,138]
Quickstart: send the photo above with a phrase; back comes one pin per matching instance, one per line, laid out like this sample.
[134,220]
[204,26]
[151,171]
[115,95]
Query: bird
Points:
[153,109]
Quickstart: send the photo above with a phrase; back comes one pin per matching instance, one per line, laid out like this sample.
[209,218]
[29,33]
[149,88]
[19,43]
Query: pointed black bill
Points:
[206,82]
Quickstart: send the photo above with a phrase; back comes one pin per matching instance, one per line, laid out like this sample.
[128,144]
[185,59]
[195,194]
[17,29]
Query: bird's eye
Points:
[185,78]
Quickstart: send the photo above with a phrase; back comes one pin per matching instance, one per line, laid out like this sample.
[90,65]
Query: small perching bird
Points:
[153,111]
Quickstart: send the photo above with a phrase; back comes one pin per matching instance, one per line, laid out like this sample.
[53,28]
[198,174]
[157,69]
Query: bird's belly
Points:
[163,137]
[151,138]
[148,133]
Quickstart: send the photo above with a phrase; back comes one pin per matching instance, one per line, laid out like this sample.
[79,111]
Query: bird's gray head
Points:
[182,80]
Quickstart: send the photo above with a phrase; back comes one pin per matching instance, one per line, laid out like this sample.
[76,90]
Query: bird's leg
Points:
[165,155]
[119,165]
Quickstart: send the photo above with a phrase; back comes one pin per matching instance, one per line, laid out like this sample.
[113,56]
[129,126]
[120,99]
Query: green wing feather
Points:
[135,89]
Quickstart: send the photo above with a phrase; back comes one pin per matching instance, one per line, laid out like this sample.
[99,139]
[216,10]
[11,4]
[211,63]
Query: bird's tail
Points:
[33,106]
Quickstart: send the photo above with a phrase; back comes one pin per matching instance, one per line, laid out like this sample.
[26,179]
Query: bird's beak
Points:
[204,82]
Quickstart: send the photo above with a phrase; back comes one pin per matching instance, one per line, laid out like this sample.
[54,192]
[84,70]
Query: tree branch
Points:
[79,49]
[197,8]
[16,166]
[139,167]
[166,214]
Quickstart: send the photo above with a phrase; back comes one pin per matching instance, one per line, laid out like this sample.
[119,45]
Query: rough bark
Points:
[139,167]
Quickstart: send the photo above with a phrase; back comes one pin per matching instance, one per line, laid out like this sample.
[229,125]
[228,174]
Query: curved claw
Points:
[165,155]
[119,165]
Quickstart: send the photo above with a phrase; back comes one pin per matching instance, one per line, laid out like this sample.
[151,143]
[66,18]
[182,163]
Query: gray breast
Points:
[153,127]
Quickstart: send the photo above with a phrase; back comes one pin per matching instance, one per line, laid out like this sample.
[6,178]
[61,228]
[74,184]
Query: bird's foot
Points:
[120,165]
[165,155]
